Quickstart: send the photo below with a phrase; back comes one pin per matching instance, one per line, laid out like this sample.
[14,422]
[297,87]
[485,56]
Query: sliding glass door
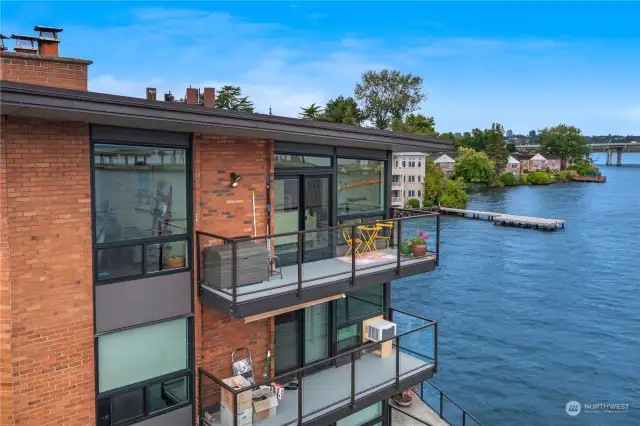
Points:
[302,203]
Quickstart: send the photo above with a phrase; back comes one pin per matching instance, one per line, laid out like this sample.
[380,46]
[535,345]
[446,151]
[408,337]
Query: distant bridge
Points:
[618,147]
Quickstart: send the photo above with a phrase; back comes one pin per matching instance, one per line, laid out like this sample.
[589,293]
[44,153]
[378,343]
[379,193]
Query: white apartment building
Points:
[407,177]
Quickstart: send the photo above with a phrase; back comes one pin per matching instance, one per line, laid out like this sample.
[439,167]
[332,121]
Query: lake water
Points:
[530,320]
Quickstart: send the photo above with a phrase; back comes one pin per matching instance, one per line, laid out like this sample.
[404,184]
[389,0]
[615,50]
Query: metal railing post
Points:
[398,248]
[435,347]
[397,363]
[300,398]
[300,237]
[464,418]
[438,240]
[234,272]
[353,255]
[353,381]
[235,409]
[441,405]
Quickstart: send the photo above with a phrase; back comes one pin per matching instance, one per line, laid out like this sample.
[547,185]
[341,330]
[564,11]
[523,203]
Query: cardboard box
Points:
[264,404]
[245,417]
[244,398]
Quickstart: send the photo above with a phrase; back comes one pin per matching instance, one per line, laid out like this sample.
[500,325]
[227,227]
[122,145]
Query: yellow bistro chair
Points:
[351,240]
[386,238]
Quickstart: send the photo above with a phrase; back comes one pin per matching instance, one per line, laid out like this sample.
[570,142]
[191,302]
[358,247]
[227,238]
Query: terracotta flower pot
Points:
[419,250]
[175,262]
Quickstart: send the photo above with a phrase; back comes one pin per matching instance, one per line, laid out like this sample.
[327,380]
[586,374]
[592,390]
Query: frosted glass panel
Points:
[132,356]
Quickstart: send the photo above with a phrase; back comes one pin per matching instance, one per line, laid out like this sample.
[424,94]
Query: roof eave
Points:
[74,105]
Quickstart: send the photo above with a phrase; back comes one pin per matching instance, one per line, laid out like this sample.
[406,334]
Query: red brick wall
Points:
[48,231]
[6,379]
[50,71]
[227,211]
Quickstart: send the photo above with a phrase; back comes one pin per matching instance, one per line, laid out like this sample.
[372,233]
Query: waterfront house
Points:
[446,163]
[513,166]
[144,241]
[407,178]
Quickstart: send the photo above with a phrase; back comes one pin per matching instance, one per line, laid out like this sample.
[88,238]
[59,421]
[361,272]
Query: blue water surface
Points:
[530,320]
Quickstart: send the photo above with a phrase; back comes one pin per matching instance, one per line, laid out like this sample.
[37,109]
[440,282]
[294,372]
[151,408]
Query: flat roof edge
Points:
[20,94]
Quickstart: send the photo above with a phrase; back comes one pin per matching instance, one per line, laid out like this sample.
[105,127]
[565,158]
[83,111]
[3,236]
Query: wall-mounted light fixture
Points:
[235,178]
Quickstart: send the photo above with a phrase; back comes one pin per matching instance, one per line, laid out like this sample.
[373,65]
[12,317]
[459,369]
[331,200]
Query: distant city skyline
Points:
[555,66]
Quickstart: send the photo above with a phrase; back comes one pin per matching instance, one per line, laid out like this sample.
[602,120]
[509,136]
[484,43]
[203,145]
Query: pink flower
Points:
[426,237]
[421,233]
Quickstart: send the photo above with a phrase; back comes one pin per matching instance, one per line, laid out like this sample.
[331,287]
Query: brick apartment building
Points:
[113,213]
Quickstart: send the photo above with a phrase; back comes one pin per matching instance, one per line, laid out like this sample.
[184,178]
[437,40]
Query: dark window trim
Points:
[133,327]
[188,372]
[186,236]
[144,385]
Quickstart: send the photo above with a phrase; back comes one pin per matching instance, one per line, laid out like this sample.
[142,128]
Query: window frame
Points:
[186,372]
[146,241]
[386,187]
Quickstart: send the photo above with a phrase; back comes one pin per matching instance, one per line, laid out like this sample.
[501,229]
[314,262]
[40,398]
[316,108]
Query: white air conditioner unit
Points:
[379,330]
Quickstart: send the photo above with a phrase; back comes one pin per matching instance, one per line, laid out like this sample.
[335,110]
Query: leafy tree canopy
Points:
[415,123]
[230,97]
[342,110]
[434,183]
[454,195]
[387,95]
[567,142]
[473,166]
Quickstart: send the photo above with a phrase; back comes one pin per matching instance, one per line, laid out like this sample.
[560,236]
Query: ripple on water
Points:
[530,320]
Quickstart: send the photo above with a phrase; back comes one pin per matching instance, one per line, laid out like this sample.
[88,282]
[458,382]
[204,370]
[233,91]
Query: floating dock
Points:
[508,219]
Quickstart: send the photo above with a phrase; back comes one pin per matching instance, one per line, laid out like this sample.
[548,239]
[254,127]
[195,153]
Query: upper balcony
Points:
[248,276]
[333,388]
[396,185]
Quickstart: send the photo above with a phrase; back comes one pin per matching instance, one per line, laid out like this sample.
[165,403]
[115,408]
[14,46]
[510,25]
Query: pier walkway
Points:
[508,219]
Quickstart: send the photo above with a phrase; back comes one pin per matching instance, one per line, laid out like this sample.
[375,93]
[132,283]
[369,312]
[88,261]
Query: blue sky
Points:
[525,65]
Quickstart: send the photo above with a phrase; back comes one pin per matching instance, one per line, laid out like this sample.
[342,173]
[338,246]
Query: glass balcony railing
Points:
[333,388]
[244,276]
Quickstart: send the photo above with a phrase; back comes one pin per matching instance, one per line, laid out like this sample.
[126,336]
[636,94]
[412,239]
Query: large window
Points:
[140,200]
[143,371]
[360,186]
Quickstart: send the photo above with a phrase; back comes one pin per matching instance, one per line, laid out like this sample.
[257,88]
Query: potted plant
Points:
[405,248]
[419,244]
[404,398]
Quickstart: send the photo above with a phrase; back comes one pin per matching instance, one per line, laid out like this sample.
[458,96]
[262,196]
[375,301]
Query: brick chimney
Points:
[48,40]
[192,96]
[41,65]
[151,93]
[209,97]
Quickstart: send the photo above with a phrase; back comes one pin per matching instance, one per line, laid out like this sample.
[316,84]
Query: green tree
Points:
[496,148]
[434,183]
[342,110]
[511,148]
[457,142]
[230,97]
[567,142]
[387,95]
[312,112]
[415,123]
[477,140]
[454,195]
[473,166]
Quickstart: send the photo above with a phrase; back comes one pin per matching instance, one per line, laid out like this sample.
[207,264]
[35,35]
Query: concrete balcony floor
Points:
[331,388]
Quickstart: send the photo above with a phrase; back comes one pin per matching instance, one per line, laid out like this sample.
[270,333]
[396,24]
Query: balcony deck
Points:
[330,390]
[321,278]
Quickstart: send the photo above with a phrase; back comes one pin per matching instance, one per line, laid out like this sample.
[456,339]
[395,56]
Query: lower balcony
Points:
[249,276]
[334,388]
